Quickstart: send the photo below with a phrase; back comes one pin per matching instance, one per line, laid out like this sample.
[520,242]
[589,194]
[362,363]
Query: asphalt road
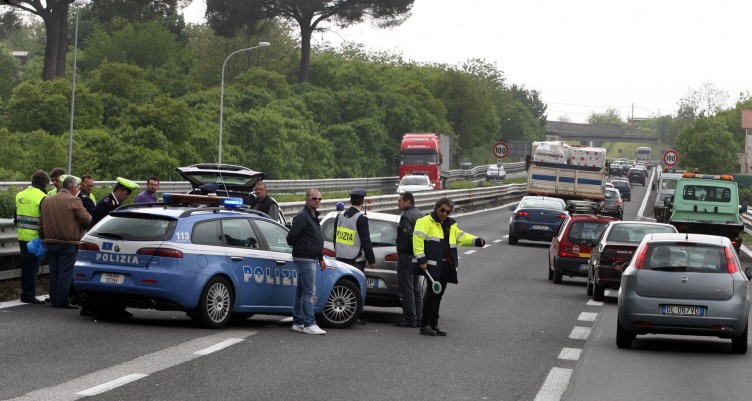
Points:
[513,335]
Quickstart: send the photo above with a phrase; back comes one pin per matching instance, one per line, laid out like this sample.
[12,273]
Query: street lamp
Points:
[73,89]
[222,95]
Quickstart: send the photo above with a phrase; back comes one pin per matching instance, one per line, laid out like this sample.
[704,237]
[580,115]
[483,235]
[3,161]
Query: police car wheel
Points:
[342,307]
[215,305]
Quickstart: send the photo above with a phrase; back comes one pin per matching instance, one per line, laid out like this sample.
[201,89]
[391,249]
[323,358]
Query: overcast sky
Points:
[581,55]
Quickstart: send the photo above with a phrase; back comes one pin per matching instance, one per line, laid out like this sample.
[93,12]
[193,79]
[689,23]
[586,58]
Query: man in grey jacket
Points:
[410,285]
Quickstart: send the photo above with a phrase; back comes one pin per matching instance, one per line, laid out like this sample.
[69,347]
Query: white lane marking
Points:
[470,252]
[216,347]
[579,333]
[10,304]
[485,246]
[594,303]
[496,241]
[146,365]
[570,354]
[555,385]
[587,316]
[111,385]
[641,210]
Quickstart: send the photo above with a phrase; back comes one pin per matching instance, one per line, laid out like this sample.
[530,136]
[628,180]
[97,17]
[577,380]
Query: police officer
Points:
[56,179]
[352,233]
[119,194]
[84,192]
[28,210]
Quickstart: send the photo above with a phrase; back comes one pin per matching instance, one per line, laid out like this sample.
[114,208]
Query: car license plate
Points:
[583,266]
[372,282]
[682,310]
[112,278]
[539,227]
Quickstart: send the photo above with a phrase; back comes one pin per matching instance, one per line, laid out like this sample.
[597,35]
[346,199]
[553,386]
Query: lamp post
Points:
[73,89]
[222,95]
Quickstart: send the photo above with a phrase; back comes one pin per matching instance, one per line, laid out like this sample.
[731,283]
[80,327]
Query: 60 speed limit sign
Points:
[500,150]
[670,158]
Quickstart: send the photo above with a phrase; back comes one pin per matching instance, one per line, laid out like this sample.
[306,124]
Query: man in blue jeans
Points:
[307,253]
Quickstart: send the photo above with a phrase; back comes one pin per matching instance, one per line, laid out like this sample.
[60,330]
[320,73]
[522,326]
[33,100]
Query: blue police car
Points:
[205,256]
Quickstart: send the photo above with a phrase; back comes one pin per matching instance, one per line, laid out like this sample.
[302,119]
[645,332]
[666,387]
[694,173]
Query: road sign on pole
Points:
[670,157]
[500,150]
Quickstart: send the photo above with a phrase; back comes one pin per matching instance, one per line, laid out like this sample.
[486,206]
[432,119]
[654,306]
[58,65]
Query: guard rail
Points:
[299,186]
[385,203]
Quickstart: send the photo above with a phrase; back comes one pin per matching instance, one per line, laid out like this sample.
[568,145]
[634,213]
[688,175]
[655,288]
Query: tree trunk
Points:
[56,48]
[305,52]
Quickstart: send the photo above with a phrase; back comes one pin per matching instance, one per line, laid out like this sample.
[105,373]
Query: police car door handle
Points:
[280,262]
[236,258]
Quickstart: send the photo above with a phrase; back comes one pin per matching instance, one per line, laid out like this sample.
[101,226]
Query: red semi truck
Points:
[428,154]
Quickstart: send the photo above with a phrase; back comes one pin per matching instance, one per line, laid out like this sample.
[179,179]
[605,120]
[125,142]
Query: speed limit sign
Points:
[670,158]
[500,150]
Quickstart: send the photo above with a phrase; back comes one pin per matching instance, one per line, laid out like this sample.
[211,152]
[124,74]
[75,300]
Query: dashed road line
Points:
[587,316]
[555,385]
[594,303]
[126,372]
[470,252]
[570,354]
[496,241]
[580,333]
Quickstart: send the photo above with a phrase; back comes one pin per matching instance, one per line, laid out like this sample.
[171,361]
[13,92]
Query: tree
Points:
[609,117]
[705,101]
[55,16]
[227,15]
[709,146]
[165,11]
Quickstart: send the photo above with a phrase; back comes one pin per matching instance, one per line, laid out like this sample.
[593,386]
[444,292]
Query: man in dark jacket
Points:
[307,253]
[264,203]
[410,286]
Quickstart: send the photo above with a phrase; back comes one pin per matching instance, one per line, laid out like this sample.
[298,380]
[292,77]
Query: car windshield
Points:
[612,194]
[542,204]
[620,183]
[414,181]
[697,258]
[635,232]
[135,227]
[419,158]
[668,184]
[583,231]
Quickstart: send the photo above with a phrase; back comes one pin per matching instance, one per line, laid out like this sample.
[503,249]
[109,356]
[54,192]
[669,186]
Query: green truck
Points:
[707,204]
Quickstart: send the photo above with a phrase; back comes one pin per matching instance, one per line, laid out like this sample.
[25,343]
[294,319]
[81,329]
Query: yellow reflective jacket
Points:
[427,237]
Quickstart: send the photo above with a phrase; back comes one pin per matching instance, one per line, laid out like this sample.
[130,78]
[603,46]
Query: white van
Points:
[665,189]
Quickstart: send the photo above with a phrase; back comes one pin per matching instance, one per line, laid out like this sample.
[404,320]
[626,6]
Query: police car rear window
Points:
[136,228]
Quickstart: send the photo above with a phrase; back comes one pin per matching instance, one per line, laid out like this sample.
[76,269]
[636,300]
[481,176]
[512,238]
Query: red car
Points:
[570,248]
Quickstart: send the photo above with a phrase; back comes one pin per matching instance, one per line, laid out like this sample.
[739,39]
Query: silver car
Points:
[381,282]
[689,284]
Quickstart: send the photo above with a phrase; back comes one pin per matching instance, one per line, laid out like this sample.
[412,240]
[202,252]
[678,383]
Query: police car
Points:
[207,256]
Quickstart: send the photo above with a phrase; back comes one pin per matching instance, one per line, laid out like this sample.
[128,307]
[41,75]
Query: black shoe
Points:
[405,324]
[439,332]
[33,301]
[47,299]
[69,306]
[427,331]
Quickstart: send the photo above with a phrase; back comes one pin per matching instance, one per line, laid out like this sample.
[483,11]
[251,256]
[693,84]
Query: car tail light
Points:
[731,261]
[640,257]
[329,252]
[568,253]
[165,252]
[88,246]
[392,257]
[618,201]
[523,213]
[560,216]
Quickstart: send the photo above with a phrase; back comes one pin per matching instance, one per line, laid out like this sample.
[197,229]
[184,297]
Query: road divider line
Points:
[555,385]
[111,385]
[216,347]
[570,354]
[496,241]
[587,316]
[594,303]
[580,333]
[143,365]
[470,252]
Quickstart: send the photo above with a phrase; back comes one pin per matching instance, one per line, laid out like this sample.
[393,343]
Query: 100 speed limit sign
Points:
[670,158]
[500,150]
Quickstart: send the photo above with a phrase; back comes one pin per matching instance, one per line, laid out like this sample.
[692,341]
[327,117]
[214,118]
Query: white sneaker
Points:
[313,330]
[297,327]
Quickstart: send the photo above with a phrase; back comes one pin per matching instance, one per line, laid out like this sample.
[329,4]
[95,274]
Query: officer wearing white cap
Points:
[119,194]
[353,236]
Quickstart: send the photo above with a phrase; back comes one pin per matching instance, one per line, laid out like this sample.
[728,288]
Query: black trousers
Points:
[432,302]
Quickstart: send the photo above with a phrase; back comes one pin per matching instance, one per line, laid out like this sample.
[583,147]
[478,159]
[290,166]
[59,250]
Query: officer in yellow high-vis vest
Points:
[352,234]
[26,219]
